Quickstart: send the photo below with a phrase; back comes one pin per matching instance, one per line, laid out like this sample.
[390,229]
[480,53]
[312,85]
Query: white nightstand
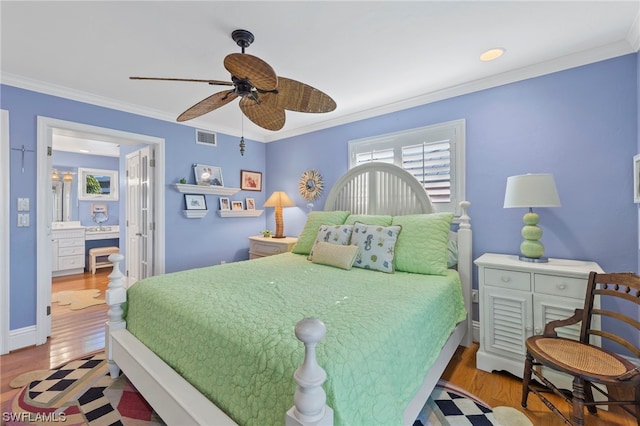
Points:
[268,246]
[517,299]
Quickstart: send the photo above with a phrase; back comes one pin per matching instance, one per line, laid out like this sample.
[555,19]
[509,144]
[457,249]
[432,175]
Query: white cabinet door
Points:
[54,256]
[507,321]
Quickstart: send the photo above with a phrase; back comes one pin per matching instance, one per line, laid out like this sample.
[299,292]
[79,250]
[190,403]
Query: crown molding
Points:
[586,57]
[631,44]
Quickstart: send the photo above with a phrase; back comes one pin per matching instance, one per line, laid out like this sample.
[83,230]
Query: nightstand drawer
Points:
[508,279]
[267,249]
[560,286]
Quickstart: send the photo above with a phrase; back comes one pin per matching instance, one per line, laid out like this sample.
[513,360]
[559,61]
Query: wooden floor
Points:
[76,333]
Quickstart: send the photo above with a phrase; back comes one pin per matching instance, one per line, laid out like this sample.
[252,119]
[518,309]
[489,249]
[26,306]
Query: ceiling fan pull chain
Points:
[242,145]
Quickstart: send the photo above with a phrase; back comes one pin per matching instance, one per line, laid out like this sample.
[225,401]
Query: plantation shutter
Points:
[430,163]
[434,155]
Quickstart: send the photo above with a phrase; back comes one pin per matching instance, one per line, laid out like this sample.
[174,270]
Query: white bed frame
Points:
[372,188]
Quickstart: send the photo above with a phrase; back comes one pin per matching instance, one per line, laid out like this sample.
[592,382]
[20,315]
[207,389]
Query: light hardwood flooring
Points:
[76,333]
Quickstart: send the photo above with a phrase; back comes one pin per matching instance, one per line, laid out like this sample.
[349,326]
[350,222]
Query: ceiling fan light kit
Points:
[264,96]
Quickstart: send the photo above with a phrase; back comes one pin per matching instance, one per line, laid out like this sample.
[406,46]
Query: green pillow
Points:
[335,255]
[369,219]
[422,244]
[310,231]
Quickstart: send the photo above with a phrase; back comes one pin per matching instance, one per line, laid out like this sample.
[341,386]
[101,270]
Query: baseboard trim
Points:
[22,337]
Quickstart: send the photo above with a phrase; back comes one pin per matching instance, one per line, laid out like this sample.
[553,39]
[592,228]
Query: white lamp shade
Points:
[531,190]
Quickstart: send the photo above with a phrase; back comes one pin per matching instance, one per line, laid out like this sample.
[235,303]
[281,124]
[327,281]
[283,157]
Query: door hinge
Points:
[48,310]
[49,151]
[152,163]
[152,226]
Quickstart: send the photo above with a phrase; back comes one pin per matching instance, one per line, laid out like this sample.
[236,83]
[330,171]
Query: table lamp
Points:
[528,191]
[279,199]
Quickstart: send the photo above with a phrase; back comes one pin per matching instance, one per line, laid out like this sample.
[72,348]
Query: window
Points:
[433,154]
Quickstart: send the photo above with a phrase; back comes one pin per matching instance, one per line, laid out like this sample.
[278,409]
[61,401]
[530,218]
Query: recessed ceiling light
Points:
[85,151]
[492,54]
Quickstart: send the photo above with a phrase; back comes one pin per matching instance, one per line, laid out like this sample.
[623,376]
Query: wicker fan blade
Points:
[207,105]
[270,117]
[296,96]
[216,82]
[249,67]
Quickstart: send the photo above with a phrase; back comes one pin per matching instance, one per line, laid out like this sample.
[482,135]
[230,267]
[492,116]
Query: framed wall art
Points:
[250,203]
[250,181]
[237,205]
[224,203]
[195,202]
[208,175]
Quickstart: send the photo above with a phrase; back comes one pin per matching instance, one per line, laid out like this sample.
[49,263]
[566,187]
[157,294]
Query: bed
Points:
[374,346]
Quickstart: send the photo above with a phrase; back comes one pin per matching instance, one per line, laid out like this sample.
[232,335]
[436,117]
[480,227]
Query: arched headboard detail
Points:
[378,188]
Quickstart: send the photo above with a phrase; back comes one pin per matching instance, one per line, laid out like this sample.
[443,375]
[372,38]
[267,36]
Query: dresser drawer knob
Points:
[505,278]
[561,286]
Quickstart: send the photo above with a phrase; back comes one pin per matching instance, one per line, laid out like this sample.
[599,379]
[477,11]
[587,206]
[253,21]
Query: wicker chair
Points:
[588,364]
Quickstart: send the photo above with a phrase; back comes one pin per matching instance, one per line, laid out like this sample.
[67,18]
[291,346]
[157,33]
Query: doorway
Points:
[47,127]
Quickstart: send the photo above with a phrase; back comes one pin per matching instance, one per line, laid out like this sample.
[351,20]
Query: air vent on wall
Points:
[206,138]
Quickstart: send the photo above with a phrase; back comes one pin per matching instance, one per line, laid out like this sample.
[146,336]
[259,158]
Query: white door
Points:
[139,231]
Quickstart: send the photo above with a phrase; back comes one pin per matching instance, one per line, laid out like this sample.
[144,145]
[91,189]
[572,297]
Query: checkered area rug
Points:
[80,393]
[451,405]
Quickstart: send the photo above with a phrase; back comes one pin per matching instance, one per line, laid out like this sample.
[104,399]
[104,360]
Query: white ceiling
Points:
[371,57]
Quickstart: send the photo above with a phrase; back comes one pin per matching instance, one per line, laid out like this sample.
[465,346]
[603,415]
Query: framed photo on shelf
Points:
[636,178]
[208,175]
[250,203]
[250,181]
[195,202]
[224,203]
[237,205]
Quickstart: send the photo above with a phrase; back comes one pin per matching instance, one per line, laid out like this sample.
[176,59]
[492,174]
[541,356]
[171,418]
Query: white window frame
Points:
[454,131]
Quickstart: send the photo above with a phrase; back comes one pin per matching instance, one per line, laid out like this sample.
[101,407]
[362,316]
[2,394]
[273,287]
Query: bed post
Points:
[309,406]
[465,268]
[115,296]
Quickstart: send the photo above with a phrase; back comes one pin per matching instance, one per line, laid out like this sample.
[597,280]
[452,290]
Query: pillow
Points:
[422,247]
[314,220]
[332,234]
[369,219]
[334,255]
[377,246]
[452,252]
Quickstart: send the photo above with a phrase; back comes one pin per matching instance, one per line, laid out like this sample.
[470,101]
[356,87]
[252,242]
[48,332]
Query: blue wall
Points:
[580,124]
[224,239]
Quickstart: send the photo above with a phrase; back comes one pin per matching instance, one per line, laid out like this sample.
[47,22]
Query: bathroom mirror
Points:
[97,184]
[63,182]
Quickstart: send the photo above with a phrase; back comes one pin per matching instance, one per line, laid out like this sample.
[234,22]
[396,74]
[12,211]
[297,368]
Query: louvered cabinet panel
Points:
[510,314]
[517,300]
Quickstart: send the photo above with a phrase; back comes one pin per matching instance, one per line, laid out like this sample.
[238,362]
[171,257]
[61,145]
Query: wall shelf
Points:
[239,213]
[186,188]
[195,214]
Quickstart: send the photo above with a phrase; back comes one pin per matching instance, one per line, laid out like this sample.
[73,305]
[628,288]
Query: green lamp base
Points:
[532,249]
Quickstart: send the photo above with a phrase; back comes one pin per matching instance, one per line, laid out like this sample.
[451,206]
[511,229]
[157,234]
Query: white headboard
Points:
[378,188]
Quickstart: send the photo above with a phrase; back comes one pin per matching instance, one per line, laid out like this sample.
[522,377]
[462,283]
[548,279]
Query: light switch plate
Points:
[23,204]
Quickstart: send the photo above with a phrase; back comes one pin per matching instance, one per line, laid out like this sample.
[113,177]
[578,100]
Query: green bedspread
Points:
[228,329]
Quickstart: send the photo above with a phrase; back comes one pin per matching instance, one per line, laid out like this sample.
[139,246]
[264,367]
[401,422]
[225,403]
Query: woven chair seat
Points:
[579,356]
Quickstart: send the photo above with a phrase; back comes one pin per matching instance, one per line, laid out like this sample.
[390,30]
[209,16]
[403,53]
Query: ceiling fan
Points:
[264,96]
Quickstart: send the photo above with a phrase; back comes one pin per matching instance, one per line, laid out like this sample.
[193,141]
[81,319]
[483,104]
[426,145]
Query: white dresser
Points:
[517,300]
[67,251]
